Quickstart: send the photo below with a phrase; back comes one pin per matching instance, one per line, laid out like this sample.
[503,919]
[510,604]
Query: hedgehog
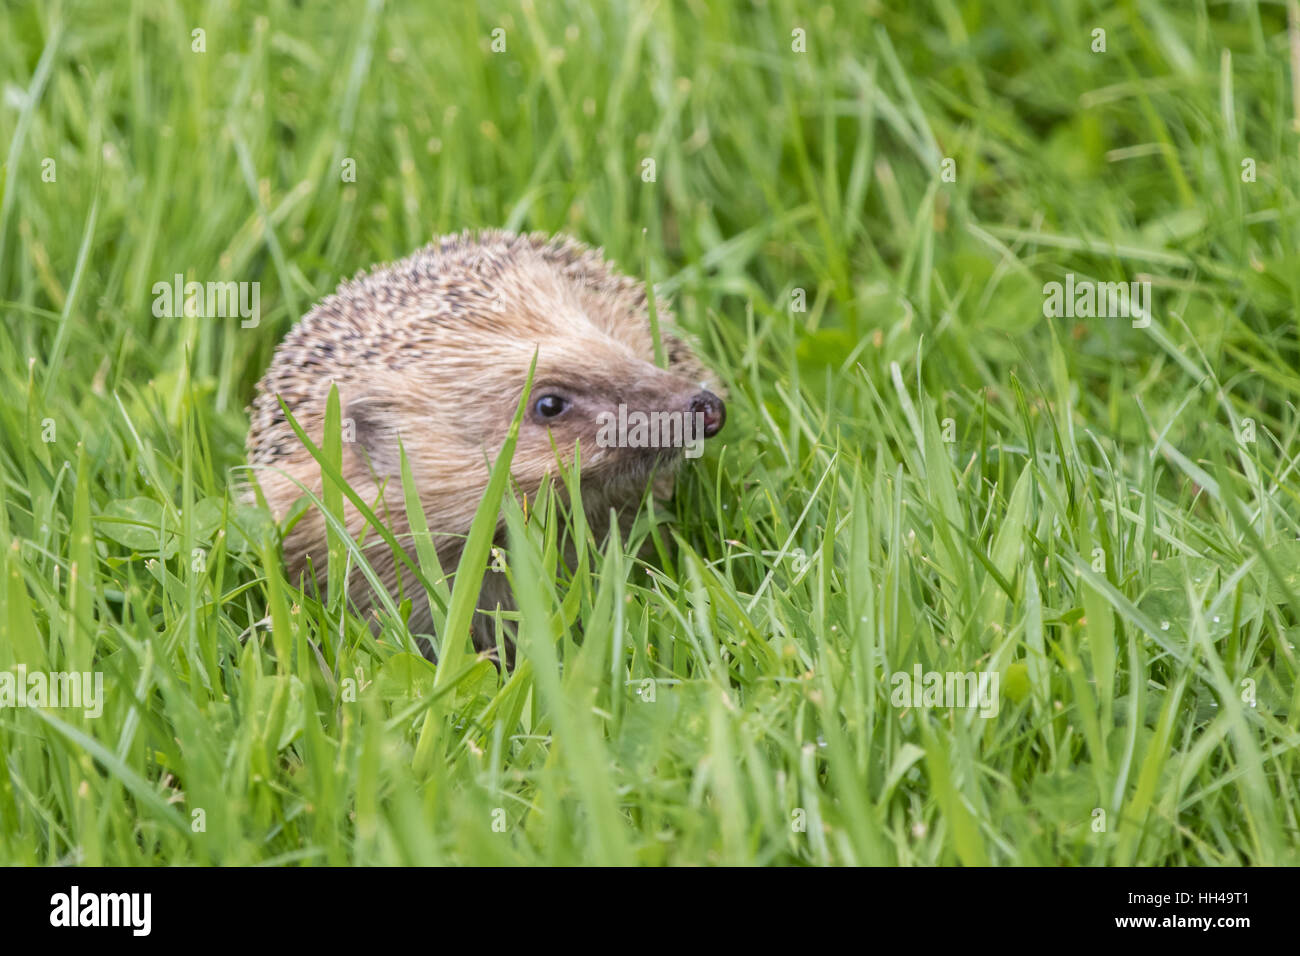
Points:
[431,354]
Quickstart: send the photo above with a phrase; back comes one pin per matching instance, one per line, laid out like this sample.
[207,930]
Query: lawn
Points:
[933,463]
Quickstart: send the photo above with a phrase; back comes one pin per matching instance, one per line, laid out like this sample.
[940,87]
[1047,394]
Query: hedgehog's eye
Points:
[548,406]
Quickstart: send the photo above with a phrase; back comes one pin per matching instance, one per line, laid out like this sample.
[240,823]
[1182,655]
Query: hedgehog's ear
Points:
[374,436]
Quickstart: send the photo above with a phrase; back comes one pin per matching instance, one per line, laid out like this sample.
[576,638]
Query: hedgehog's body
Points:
[436,349]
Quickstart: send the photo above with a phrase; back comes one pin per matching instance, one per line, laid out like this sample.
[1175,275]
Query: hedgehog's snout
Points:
[713,409]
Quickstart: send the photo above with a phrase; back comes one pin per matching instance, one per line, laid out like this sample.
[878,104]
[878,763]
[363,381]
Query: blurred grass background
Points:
[919,467]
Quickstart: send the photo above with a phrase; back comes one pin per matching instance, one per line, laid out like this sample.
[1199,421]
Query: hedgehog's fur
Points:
[435,349]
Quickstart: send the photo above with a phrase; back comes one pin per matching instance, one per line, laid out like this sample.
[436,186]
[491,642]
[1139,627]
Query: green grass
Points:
[919,468]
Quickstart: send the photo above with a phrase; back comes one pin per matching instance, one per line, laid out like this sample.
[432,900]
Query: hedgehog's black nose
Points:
[714,412]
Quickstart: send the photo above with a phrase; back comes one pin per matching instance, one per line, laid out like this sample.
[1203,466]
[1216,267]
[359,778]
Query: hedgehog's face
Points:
[626,419]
